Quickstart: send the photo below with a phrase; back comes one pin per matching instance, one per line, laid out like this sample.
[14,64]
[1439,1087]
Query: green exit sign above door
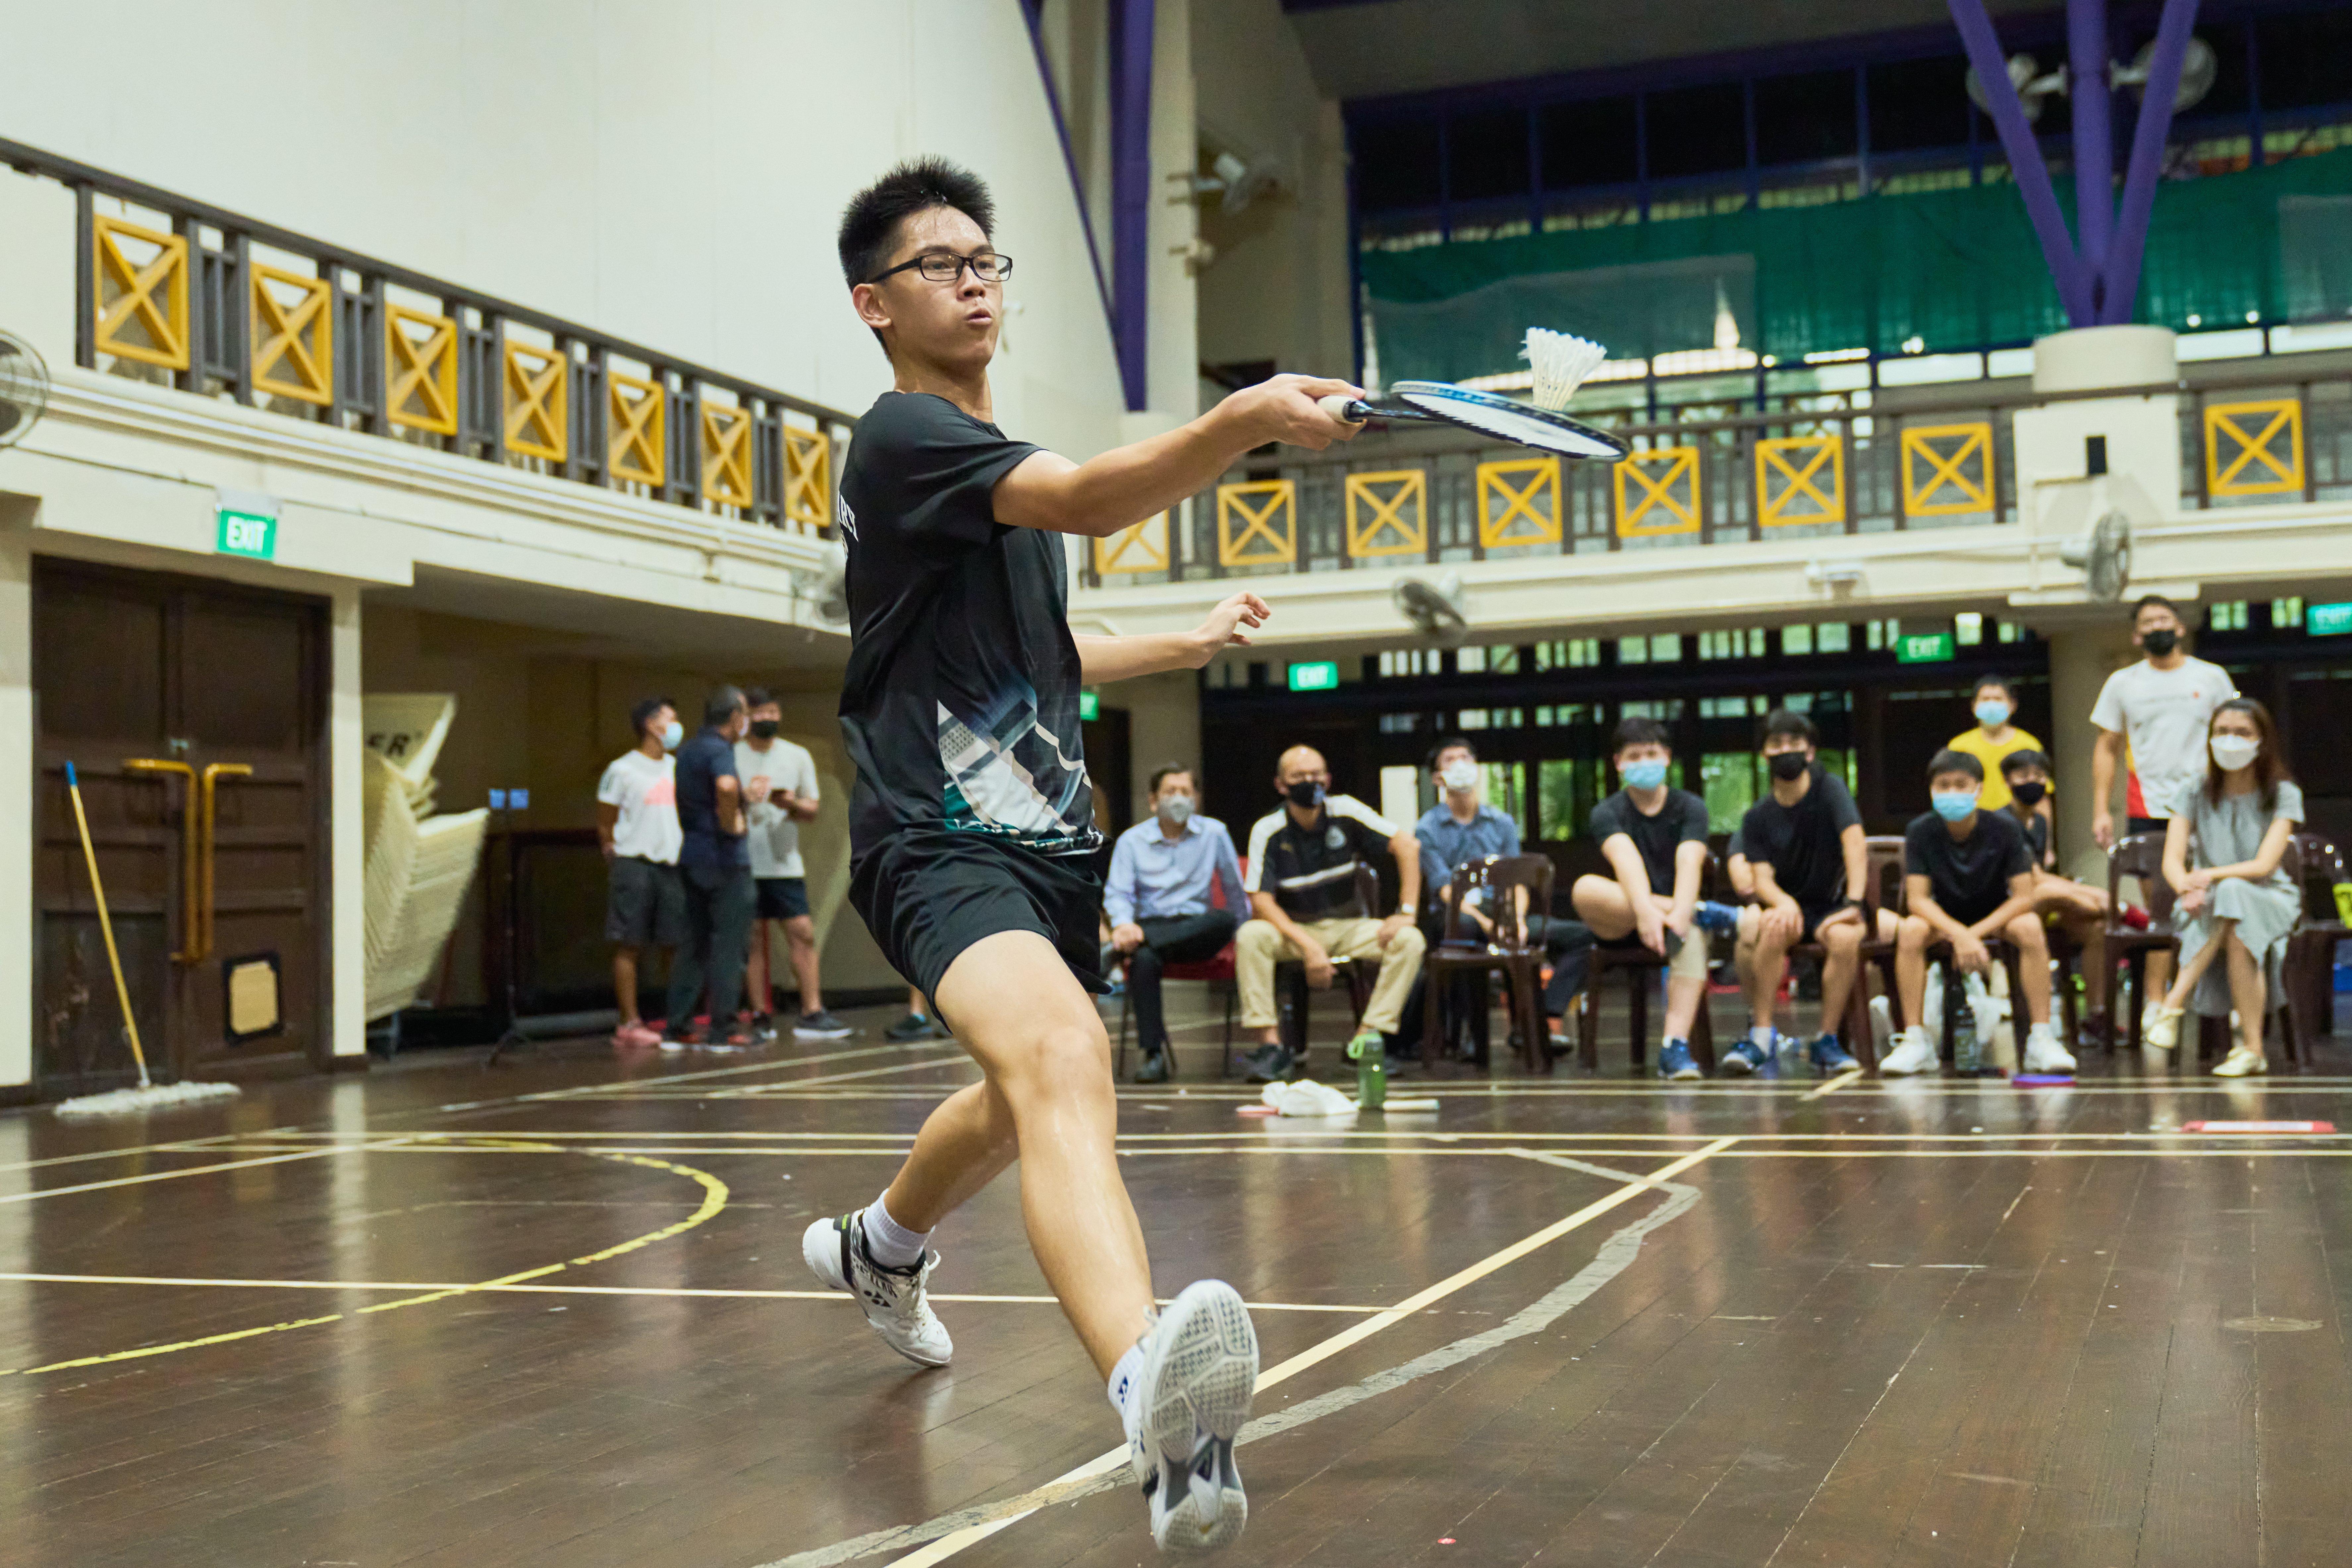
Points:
[2328,620]
[1928,647]
[1323,676]
[246,524]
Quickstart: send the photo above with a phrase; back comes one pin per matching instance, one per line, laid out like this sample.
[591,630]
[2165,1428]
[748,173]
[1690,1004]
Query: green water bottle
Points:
[1371,1056]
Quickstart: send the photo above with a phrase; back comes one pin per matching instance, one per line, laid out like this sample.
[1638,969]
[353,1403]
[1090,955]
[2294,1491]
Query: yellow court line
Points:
[1834,1084]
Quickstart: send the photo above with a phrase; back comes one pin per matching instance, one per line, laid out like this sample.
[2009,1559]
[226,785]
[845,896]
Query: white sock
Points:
[1761,1037]
[888,1242]
[1123,1379]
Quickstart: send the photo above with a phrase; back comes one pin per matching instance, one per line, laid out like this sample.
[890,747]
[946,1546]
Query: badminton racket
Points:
[1560,362]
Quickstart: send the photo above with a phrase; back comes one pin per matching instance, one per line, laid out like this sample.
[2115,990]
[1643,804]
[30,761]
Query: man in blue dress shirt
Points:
[1156,896]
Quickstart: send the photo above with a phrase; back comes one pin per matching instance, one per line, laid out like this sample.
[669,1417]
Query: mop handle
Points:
[106,926]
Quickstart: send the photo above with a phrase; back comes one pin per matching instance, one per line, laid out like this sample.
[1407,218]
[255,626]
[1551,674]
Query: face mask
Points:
[1992,715]
[1954,805]
[1304,793]
[2159,642]
[2234,752]
[1176,810]
[1788,766]
[2029,793]
[1647,775]
[764,728]
[673,732]
[1461,778]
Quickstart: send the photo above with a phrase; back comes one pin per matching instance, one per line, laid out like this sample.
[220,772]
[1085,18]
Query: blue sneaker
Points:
[1716,919]
[1674,1060]
[1830,1057]
[1743,1059]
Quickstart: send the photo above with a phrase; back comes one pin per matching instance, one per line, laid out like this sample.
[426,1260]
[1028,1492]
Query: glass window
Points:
[1632,650]
[1796,639]
[1665,648]
[1916,104]
[1728,781]
[2286,612]
[1834,637]
[1589,144]
[1503,660]
[1566,795]
[1696,130]
[1470,660]
[1487,154]
[1471,719]
[1507,790]
[1968,628]
[1806,119]
[1396,163]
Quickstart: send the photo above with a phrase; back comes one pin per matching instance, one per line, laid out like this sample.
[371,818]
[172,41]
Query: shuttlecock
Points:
[1561,361]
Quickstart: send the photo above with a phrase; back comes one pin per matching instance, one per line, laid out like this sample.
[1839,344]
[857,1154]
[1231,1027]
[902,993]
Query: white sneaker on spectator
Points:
[1913,1052]
[2043,1053]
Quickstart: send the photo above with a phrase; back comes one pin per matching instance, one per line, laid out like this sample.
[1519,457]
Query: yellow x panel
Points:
[293,336]
[639,450]
[1141,548]
[1517,483]
[727,455]
[808,476]
[1937,457]
[539,403]
[1268,512]
[2253,429]
[143,310]
[1798,462]
[1369,515]
[1672,493]
[421,354]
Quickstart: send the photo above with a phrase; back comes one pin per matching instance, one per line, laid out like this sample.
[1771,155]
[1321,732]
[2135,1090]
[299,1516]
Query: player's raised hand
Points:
[1229,623]
[1284,408]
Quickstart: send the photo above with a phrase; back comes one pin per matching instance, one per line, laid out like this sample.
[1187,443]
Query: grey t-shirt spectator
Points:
[775,833]
[2162,714]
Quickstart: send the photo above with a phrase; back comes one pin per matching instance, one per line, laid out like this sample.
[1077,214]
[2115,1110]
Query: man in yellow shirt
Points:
[1995,738]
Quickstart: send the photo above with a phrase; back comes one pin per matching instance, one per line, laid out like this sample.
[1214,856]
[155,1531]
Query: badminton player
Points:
[971,822]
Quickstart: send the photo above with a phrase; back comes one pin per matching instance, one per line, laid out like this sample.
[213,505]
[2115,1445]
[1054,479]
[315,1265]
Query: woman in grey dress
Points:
[2236,909]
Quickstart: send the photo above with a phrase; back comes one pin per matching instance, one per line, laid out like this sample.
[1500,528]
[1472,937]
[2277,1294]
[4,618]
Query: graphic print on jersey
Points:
[1007,773]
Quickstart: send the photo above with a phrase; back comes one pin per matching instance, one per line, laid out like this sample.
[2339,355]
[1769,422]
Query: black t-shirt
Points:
[1969,877]
[959,704]
[1681,820]
[702,764]
[2037,834]
[1802,843]
[1311,871]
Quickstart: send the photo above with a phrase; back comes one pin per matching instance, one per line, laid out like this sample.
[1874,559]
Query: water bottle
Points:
[1371,1056]
[1967,1050]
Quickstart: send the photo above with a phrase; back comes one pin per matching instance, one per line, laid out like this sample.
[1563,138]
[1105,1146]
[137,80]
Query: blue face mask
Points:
[673,734]
[1954,805]
[1992,715]
[1647,775]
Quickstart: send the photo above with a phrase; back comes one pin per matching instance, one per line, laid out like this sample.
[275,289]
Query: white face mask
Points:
[1460,777]
[2232,752]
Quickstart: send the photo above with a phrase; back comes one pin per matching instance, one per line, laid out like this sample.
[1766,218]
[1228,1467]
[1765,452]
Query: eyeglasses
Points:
[937,267]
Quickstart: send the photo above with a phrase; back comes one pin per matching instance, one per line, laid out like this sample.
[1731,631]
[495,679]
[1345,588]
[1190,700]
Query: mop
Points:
[147,1096]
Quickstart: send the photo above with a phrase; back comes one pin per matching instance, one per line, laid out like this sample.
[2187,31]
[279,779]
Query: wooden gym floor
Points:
[555,1314]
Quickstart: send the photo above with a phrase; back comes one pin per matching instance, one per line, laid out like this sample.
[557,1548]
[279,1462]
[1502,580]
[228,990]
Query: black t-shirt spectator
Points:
[1802,843]
[959,704]
[702,764]
[2037,834]
[1969,877]
[1681,820]
[1311,871]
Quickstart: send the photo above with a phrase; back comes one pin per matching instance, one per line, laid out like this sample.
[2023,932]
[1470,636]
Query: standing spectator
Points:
[1156,899]
[2159,709]
[779,786]
[1302,886]
[1994,740]
[917,1024]
[2237,909]
[715,864]
[636,824]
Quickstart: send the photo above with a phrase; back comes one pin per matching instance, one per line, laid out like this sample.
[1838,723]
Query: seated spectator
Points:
[1804,847]
[1460,828]
[1303,861]
[2238,907]
[636,824]
[1654,839]
[1967,875]
[2076,907]
[1156,898]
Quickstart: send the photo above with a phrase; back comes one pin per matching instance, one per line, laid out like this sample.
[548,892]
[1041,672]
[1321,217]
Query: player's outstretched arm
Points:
[1123,658]
[1124,486]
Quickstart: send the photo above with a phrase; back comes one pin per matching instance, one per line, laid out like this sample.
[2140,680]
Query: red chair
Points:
[1213,970]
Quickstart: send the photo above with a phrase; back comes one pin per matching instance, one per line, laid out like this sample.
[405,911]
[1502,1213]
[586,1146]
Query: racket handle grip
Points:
[1345,409]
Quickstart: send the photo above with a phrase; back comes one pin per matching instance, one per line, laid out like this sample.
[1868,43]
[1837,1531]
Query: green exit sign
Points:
[1323,676]
[248,534]
[2328,620]
[1928,647]
[1089,706]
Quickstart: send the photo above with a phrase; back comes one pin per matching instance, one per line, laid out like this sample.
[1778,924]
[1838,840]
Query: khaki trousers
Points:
[1258,947]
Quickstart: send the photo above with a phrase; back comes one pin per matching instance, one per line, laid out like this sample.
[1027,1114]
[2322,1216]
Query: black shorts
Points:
[929,893]
[1814,916]
[2155,825]
[647,904]
[782,897]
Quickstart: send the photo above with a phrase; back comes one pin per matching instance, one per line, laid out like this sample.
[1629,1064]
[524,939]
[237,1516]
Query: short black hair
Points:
[1950,762]
[869,224]
[1451,743]
[1162,774]
[756,697]
[2145,600]
[2000,680]
[2019,761]
[720,705]
[643,713]
[1787,722]
[1640,729]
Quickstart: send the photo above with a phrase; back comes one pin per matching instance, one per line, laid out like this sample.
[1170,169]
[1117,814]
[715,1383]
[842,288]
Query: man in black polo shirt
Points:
[1301,878]
[715,864]
[1968,875]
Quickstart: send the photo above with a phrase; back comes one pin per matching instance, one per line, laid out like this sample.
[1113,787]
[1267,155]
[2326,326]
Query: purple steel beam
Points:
[2094,138]
[2130,240]
[2066,270]
[1130,192]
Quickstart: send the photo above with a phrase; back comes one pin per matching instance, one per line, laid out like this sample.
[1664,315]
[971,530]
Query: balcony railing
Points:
[215,303]
[1407,494]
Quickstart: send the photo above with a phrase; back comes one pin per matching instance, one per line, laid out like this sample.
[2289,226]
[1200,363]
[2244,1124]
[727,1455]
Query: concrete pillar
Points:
[346,834]
[1163,716]
[2085,650]
[19,817]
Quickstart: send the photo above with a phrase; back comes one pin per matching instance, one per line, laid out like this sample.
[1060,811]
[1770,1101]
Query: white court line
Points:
[25,1198]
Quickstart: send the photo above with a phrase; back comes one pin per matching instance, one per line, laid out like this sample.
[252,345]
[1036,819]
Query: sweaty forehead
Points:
[938,229]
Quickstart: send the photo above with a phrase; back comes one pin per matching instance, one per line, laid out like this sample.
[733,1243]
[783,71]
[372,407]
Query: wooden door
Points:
[221,915]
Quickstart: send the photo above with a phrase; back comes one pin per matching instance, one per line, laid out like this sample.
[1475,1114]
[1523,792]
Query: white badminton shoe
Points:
[1199,1371]
[2044,1053]
[893,1299]
[1913,1052]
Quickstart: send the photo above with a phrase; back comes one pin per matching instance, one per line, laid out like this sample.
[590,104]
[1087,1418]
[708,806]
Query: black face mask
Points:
[765,729]
[2029,793]
[1788,766]
[1304,793]
[2159,642]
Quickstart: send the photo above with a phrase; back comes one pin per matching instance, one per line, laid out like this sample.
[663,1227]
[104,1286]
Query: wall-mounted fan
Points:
[24,388]
[1435,611]
[2103,554]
